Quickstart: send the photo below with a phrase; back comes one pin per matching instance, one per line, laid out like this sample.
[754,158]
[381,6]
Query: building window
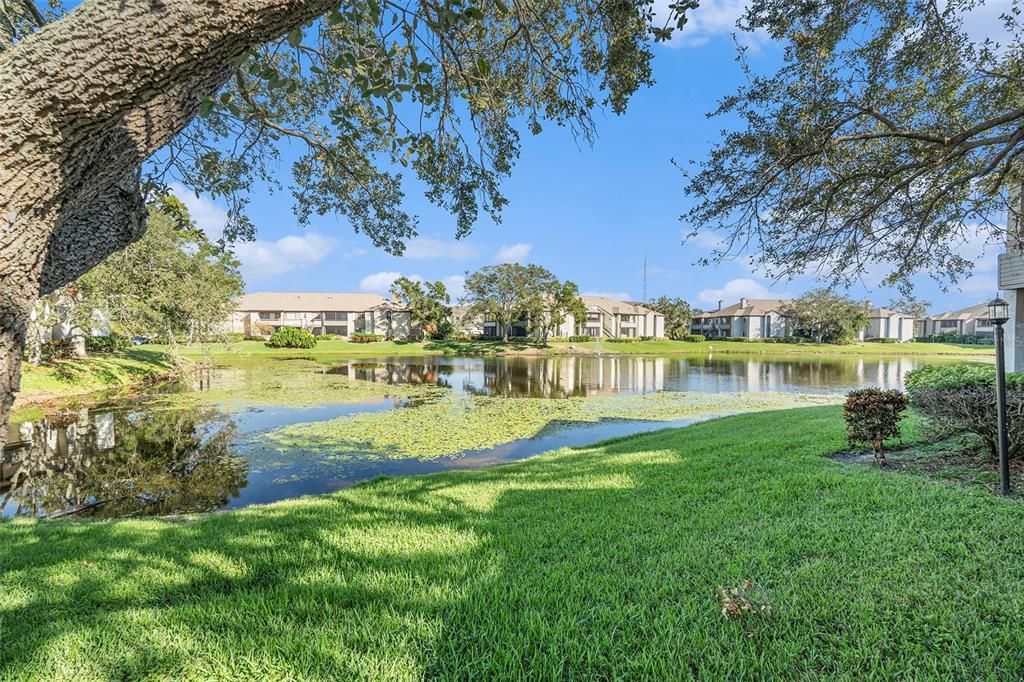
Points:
[593,331]
[593,317]
[292,316]
[626,318]
[335,316]
[628,332]
[270,316]
[337,331]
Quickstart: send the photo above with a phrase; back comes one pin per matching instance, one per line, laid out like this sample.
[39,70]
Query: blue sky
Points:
[589,214]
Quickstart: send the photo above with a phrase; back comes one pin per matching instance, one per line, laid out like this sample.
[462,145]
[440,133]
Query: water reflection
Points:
[161,456]
[120,463]
[571,376]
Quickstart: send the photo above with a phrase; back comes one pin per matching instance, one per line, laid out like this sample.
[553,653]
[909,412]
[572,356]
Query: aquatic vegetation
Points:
[458,423]
[291,383]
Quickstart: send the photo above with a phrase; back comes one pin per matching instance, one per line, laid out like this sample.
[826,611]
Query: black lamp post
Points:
[998,314]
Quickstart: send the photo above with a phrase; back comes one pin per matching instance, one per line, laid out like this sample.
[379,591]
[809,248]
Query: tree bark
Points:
[83,102]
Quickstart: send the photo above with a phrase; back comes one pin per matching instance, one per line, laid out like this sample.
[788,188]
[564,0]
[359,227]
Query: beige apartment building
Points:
[970,321]
[341,314]
[606,318]
[751,318]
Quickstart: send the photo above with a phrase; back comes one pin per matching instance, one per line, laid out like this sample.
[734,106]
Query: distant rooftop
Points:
[308,301]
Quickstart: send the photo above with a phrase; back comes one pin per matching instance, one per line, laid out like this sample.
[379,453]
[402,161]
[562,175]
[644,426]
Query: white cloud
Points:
[712,19]
[980,285]
[617,295]
[380,282]
[425,249]
[261,259]
[456,285]
[736,289]
[513,253]
[209,216]
[706,240]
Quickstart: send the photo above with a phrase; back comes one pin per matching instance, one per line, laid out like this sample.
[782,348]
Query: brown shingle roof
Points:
[612,306]
[753,307]
[974,312]
[308,301]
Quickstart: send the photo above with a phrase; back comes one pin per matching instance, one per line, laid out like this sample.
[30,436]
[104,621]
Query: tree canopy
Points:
[511,292]
[677,312]
[428,304]
[889,137]
[826,317]
[173,282]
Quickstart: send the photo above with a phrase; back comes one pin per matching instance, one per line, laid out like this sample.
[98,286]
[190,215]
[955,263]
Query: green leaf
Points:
[295,37]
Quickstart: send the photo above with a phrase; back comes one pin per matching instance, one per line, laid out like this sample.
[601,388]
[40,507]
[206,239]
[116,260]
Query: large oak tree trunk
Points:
[83,103]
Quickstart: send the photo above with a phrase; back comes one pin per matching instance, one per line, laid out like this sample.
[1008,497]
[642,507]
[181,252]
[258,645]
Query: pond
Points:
[229,437]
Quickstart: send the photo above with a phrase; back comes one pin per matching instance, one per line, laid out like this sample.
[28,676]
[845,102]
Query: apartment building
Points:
[609,318]
[751,318]
[970,321]
[341,314]
[889,324]
[606,318]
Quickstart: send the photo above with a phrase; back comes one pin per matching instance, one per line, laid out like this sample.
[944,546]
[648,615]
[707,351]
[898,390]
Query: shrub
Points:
[326,337]
[962,399]
[881,340]
[58,349]
[625,339]
[872,415]
[290,337]
[580,339]
[694,338]
[107,344]
[363,337]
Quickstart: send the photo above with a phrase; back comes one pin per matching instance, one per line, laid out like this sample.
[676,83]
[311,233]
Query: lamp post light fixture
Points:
[998,314]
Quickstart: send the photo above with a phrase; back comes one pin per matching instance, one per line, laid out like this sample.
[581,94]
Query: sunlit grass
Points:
[97,372]
[242,351]
[599,563]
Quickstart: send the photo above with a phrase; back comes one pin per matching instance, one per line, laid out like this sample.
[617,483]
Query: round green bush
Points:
[290,337]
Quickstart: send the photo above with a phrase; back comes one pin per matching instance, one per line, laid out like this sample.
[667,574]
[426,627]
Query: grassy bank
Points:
[243,351]
[106,372]
[594,563]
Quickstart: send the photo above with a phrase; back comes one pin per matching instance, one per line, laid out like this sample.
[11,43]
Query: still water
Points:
[197,445]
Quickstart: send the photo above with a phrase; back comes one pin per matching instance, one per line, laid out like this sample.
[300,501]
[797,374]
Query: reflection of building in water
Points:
[393,372]
[115,463]
[565,376]
[725,373]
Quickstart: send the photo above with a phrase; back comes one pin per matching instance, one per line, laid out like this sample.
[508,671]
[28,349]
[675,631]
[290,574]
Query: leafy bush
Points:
[963,339]
[290,337]
[962,399]
[107,344]
[882,339]
[235,337]
[580,339]
[326,337]
[626,339]
[363,337]
[58,349]
[872,415]
[694,338]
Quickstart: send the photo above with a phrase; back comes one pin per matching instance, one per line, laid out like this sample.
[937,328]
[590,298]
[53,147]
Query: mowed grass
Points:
[242,351]
[599,563]
[101,371]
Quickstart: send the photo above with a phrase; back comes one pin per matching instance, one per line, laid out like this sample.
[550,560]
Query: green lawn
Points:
[248,350]
[97,372]
[596,563]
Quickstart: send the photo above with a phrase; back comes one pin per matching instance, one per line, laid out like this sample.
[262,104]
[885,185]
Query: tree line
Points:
[173,285]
